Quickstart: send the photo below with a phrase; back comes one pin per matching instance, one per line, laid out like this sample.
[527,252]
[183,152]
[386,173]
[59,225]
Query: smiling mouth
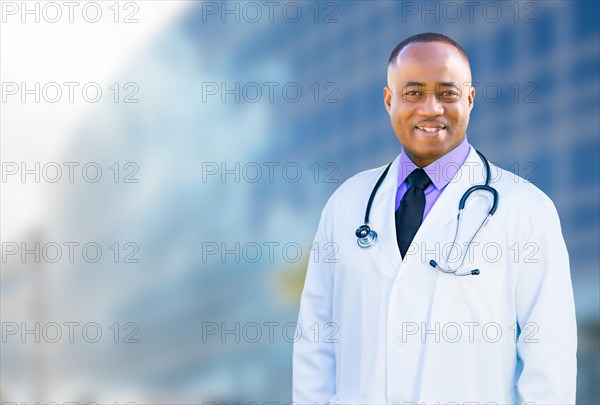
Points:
[430,125]
[431,130]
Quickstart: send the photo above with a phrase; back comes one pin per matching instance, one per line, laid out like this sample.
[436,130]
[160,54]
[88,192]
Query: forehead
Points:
[430,62]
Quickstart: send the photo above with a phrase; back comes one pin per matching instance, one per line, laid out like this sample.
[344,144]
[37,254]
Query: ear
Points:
[387,98]
[471,98]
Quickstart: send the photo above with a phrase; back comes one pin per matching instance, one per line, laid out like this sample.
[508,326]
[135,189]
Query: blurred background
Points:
[156,221]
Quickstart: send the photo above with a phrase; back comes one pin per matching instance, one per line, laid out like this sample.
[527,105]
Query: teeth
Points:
[430,129]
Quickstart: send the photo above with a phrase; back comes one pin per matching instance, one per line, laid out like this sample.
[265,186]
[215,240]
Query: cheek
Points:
[459,117]
[401,116]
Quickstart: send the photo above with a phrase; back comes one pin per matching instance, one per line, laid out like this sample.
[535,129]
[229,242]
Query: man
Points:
[419,317]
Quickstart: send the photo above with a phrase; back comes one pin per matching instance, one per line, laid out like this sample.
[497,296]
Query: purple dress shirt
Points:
[440,172]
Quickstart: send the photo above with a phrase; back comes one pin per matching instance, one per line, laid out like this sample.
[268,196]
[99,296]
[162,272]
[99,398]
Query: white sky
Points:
[60,52]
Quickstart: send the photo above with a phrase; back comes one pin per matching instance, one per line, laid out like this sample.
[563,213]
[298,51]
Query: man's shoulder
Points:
[515,189]
[361,181]
[359,185]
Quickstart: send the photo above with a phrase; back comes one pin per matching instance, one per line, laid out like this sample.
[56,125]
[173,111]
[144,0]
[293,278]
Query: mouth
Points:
[432,130]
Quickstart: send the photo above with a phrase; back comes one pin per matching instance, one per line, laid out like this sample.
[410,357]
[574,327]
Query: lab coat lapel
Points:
[383,218]
[445,209]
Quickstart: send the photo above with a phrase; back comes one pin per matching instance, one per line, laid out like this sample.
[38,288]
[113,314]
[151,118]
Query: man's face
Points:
[429,98]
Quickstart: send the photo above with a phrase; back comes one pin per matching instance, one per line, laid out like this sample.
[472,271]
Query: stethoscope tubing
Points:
[367,237]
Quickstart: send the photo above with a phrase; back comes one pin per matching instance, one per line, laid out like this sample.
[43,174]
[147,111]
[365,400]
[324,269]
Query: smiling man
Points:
[419,305]
[428,127]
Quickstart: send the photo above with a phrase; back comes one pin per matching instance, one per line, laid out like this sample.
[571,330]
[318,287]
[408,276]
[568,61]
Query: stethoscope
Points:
[367,237]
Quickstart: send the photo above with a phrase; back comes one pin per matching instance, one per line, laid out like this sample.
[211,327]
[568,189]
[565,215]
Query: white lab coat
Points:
[374,329]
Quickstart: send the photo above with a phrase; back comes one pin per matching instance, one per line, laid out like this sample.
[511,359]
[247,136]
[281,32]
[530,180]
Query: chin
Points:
[432,152]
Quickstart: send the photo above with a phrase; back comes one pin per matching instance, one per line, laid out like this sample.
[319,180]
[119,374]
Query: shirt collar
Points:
[442,170]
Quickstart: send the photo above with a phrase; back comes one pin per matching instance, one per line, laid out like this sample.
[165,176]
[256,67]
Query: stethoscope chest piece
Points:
[365,236]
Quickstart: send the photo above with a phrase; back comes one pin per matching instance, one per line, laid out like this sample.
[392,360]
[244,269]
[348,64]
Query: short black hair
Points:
[426,37]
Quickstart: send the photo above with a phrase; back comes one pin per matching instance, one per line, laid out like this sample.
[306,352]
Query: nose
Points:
[430,107]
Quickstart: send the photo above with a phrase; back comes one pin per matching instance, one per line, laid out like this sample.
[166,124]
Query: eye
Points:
[449,93]
[449,96]
[413,93]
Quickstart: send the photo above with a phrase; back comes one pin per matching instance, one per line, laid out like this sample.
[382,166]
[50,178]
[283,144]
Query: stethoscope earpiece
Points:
[434,264]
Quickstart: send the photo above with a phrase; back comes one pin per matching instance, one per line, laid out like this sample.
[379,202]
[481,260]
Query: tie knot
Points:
[418,179]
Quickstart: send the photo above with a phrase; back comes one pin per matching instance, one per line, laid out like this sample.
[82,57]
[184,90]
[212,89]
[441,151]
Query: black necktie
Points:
[410,212]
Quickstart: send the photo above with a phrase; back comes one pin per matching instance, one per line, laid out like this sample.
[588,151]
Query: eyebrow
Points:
[408,84]
[442,84]
[448,84]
